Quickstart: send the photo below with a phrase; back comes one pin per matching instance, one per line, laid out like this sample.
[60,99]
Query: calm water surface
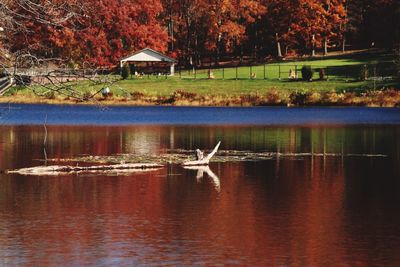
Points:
[337,205]
[121,115]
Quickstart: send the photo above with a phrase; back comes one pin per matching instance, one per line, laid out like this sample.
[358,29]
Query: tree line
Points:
[100,32]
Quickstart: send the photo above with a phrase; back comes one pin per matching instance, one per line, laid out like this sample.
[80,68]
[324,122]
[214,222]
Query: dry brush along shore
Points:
[389,97]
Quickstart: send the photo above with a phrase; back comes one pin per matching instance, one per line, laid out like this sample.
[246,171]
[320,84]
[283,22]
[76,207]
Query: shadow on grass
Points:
[364,57]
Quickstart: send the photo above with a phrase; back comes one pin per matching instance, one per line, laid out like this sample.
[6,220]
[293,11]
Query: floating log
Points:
[57,169]
[200,157]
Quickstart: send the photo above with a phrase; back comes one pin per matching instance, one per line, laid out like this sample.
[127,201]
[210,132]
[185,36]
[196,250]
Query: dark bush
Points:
[298,98]
[125,72]
[307,73]
[180,94]
[322,75]
[137,95]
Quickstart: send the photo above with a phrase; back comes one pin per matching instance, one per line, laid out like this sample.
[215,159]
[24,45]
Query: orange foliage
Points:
[103,31]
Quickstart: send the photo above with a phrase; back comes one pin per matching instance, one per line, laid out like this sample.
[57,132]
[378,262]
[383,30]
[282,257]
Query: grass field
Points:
[342,76]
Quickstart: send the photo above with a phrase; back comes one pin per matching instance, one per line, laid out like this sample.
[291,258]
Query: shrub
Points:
[322,75]
[125,72]
[273,97]
[314,98]
[181,94]
[250,99]
[86,96]
[298,98]
[307,73]
[137,95]
[50,95]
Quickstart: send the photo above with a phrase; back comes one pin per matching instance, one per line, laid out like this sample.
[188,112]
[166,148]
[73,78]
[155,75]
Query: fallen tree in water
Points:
[57,169]
[60,169]
[201,160]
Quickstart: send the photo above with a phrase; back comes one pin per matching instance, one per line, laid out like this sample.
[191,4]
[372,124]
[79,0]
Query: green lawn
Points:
[342,75]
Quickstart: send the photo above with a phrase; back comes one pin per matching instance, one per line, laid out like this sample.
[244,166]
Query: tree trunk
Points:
[278,46]
[313,45]
[325,47]
[343,45]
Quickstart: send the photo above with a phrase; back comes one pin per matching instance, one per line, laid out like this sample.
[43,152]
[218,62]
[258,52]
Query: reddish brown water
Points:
[290,211]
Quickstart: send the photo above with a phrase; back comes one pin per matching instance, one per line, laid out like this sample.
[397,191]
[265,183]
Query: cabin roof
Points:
[147,55]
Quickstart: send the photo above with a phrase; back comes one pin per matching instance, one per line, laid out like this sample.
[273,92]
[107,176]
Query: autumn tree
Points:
[26,26]
[29,32]
[98,32]
[210,26]
[115,28]
[228,21]
[186,29]
[304,25]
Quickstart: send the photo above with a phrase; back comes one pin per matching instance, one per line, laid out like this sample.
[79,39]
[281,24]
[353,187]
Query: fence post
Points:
[195,74]
[264,71]
[223,74]
[295,71]
[251,72]
[180,74]
[279,69]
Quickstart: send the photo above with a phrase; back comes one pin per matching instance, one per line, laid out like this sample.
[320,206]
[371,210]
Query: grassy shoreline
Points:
[274,97]
[342,86]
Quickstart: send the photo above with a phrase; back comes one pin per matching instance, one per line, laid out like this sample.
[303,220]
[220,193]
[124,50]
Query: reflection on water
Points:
[200,175]
[303,211]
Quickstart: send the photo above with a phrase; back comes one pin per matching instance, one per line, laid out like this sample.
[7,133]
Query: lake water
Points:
[329,194]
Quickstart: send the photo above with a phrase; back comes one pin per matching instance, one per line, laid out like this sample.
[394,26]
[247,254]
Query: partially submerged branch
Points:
[200,159]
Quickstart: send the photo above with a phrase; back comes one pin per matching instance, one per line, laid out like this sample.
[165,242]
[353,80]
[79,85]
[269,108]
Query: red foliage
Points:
[116,28]
[100,32]
[297,21]
[107,31]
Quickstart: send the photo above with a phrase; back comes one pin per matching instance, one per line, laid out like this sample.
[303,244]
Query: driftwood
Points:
[57,169]
[200,157]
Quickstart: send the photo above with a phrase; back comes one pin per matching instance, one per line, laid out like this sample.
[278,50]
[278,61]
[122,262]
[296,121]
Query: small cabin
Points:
[149,61]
